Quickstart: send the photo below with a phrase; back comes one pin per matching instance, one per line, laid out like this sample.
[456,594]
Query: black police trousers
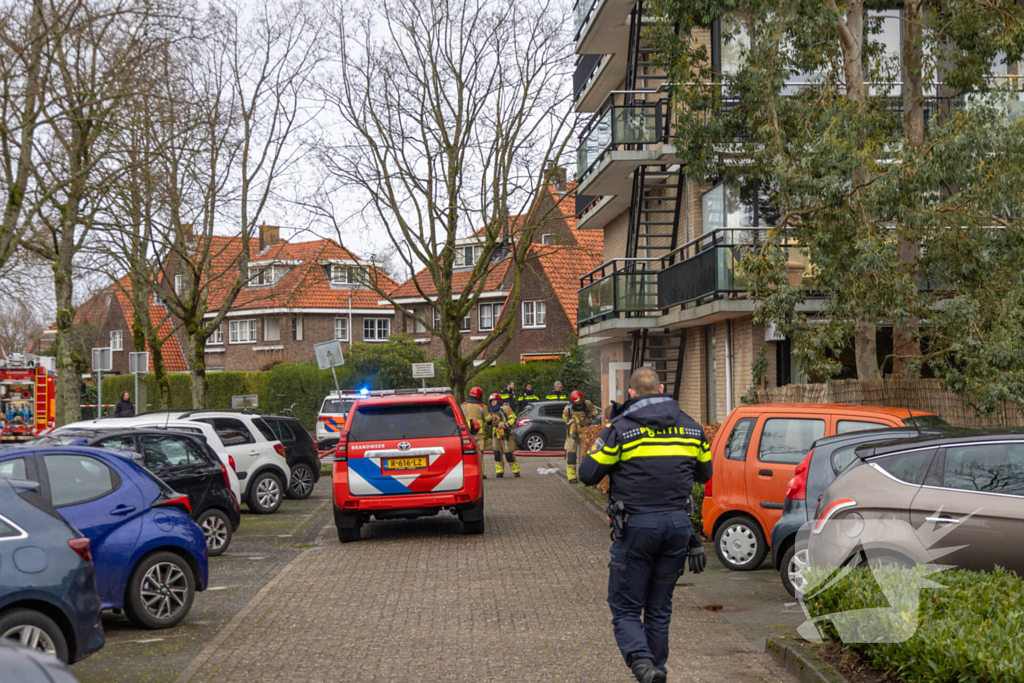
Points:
[645,563]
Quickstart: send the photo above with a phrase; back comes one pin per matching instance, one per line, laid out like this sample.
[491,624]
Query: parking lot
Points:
[418,601]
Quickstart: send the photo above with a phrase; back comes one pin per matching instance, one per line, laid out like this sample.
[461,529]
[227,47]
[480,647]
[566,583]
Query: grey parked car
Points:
[969,486]
[540,427]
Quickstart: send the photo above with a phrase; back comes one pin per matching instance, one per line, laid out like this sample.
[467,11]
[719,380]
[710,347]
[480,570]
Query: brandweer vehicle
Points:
[27,398]
[755,455]
[300,453]
[150,557]
[48,598]
[540,427]
[406,456]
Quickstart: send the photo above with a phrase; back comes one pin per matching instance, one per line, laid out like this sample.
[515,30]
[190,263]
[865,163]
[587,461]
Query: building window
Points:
[437,319]
[242,331]
[465,257]
[376,329]
[296,328]
[115,341]
[157,299]
[340,275]
[341,329]
[535,314]
[489,316]
[547,238]
[466,324]
[218,335]
[272,329]
[419,326]
[177,284]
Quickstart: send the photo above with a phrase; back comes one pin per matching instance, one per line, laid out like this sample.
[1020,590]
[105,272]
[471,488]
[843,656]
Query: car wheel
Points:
[265,493]
[740,545]
[881,558]
[791,570]
[535,442]
[35,631]
[160,591]
[301,486]
[217,528]
[349,534]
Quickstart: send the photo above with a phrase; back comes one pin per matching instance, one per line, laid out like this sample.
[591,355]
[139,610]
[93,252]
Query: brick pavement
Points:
[416,601]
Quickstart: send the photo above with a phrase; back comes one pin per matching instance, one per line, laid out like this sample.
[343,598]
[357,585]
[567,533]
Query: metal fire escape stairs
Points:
[656,206]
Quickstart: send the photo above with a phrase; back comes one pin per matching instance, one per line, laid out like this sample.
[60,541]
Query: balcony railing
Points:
[619,288]
[586,67]
[583,11]
[618,125]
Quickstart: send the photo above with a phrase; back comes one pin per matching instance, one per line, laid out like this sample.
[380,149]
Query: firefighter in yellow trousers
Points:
[502,420]
[578,414]
[475,410]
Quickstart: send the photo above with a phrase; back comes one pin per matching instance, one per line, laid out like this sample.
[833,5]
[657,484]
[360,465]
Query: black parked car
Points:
[828,457]
[540,427]
[48,597]
[183,461]
[301,454]
[29,666]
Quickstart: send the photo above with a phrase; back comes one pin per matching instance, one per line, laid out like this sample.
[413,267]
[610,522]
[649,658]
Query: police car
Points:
[330,421]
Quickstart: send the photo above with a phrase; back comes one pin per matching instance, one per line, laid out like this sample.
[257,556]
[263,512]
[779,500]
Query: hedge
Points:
[968,630]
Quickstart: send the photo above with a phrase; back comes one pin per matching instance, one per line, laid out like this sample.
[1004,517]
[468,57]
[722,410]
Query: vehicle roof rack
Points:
[160,412]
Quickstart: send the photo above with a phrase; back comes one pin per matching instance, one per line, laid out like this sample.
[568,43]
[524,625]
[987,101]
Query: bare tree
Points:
[20,325]
[453,112]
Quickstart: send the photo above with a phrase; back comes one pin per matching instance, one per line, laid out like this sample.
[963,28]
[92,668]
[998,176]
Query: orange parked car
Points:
[755,454]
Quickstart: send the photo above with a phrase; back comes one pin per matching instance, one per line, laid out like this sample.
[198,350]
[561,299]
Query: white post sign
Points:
[328,355]
[102,361]
[423,371]
[138,363]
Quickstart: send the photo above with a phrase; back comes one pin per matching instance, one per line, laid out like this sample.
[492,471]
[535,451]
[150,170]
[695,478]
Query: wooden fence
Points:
[921,394]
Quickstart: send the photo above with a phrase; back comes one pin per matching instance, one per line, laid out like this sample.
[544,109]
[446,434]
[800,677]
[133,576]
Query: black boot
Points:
[646,672]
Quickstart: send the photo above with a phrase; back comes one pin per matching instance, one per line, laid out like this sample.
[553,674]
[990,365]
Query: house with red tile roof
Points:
[545,318]
[298,294]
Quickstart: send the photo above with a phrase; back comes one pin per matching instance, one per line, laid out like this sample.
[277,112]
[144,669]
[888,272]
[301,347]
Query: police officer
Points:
[652,453]
[501,420]
[528,396]
[475,410]
[557,394]
[508,396]
[577,415]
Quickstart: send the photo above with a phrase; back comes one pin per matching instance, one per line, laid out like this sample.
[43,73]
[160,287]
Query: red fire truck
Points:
[27,397]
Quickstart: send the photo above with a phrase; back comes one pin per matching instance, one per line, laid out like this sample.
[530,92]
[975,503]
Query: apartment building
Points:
[544,325]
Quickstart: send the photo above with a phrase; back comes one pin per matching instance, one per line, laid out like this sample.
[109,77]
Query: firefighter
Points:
[652,453]
[475,410]
[557,394]
[501,420]
[508,396]
[528,396]
[577,415]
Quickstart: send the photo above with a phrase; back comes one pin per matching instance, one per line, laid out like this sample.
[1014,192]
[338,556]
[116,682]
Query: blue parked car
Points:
[150,556]
[48,598]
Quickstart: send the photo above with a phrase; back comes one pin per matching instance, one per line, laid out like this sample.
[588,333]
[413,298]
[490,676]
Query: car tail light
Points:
[224,471]
[522,422]
[180,502]
[796,489]
[321,418]
[81,546]
[707,489]
[468,447]
[341,450]
[830,512]
[280,450]
[231,461]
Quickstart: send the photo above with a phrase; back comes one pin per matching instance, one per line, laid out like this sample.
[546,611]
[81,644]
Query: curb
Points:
[800,661]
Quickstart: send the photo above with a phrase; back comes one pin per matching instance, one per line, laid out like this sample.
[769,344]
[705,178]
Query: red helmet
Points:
[495,397]
[576,396]
[476,392]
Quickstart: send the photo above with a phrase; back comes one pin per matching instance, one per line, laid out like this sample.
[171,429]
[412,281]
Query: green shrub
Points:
[969,630]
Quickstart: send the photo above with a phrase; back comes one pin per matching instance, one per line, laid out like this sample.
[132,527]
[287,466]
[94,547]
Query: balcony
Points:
[620,288]
[594,78]
[601,24]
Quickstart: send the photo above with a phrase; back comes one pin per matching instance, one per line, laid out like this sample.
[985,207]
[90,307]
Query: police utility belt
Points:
[618,518]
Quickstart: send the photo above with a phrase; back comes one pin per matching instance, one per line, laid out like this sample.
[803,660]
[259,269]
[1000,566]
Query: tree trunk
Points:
[68,389]
[163,380]
[867,352]
[197,366]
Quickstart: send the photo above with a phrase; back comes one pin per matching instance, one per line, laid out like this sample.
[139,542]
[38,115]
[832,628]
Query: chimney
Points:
[556,174]
[269,235]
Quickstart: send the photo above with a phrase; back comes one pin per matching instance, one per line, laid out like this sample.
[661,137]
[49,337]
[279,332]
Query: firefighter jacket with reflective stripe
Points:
[501,420]
[652,453]
[474,409]
[577,419]
[556,396]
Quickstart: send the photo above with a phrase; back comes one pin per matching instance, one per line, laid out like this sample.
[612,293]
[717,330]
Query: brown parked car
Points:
[955,489]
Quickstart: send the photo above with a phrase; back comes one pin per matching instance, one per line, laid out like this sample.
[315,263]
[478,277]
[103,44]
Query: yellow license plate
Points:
[404,463]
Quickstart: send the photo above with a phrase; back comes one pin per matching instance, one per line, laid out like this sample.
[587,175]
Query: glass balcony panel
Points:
[597,299]
[636,292]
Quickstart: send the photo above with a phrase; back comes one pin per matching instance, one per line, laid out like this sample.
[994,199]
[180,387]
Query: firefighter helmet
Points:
[495,397]
[576,396]
[477,393]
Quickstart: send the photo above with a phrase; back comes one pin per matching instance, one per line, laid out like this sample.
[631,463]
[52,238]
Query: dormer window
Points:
[157,299]
[267,275]
[339,275]
[466,257]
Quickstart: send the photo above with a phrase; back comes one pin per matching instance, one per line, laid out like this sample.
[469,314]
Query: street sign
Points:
[328,354]
[423,370]
[138,362]
[245,401]
[102,360]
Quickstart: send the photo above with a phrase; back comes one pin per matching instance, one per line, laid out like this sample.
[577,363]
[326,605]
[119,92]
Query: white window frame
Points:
[296,328]
[177,283]
[235,327]
[494,311]
[217,338]
[460,255]
[268,331]
[344,323]
[340,274]
[437,318]
[466,324]
[376,324]
[157,299]
[535,315]
[418,327]
[116,340]
[547,238]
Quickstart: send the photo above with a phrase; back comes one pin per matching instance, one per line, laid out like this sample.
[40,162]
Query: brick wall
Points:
[615,233]
[114,320]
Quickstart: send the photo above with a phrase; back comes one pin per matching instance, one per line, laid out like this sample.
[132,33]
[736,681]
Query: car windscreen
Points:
[336,406]
[406,421]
